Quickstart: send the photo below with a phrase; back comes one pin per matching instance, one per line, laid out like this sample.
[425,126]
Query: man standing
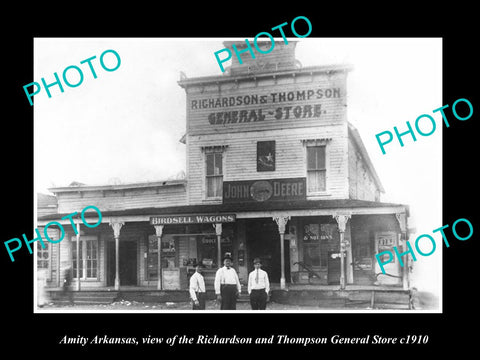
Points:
[227,285]
[258,286]
[197,288]
[67,284]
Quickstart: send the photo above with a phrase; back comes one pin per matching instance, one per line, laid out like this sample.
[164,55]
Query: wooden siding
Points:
[360,180]
[122,199]
[240,157]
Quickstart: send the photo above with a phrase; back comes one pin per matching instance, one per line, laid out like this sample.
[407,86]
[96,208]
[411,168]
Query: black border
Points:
[26,331]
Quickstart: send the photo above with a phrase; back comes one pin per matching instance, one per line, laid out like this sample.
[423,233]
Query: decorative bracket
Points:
[116,226]
[341,221]
[218,228]
[158,230]
[281,222]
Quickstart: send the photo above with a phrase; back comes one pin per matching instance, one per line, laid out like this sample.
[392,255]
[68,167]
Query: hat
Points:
[257,261]
[227,256]
[196,263]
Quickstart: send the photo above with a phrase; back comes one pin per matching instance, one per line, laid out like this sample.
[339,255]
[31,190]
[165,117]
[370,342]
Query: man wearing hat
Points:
[258,286]
[227,285]
[197,288]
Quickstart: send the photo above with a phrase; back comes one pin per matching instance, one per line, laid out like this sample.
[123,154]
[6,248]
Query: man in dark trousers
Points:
[227,285]
[197,288]
[258,286]
[67,285]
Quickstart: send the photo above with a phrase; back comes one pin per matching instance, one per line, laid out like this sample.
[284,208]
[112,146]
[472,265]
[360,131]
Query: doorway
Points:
[334,268]
[127,263]
[263,241]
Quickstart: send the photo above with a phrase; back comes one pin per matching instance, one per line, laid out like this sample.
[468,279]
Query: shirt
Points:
[197,284]
[226,276]
[263,282]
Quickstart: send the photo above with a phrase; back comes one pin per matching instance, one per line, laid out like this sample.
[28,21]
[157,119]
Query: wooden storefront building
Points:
[274,170]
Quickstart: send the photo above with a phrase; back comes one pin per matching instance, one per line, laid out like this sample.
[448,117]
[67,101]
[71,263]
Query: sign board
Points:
[304,100]
[264,190]
[191,219]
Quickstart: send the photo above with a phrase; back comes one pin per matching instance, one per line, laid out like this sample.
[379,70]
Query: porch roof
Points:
[260,207]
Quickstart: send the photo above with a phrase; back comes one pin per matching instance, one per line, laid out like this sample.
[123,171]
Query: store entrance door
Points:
[263,241]
[127,260]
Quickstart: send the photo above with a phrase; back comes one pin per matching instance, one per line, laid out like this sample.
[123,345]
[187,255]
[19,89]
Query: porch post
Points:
[116,226]
[218,232]
[342,223]
[78,256]
[281,222]
[402,221]
[159,232]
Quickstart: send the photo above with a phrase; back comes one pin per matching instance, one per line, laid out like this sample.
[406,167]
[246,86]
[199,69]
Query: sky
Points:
[125,125]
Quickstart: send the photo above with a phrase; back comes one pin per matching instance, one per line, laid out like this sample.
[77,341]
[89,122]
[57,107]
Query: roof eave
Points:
[155,184]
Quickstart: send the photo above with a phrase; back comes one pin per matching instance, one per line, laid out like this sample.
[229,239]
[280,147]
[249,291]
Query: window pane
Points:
[74,258]
[214,186]
[210,164]
[42,255]
[89,272]
[315,157]
[311,254]
[91,260]
[218,164]
[210,187]
[311,158]
[214,180]
[94,269]
[316,181]
[218,185]
[320,150]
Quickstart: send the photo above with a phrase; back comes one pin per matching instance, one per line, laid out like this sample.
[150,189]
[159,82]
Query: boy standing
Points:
[258,286]
[197,288]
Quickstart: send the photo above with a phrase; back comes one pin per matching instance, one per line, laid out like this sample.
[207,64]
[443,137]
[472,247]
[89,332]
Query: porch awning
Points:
[304,206]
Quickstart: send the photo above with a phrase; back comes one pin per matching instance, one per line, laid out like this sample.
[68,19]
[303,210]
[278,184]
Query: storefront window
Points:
[43,254]
[311,254]
[169,255]
[385,242]
[208,251]
[208,248]
[318,241]
[88,256]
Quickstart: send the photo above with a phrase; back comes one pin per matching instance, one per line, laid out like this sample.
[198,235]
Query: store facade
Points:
[274,170]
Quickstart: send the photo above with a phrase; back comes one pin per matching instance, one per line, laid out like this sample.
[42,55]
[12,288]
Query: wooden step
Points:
[84,297]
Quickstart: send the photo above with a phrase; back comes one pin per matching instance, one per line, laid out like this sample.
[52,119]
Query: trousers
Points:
[229,297]
[201,301]
[258,299]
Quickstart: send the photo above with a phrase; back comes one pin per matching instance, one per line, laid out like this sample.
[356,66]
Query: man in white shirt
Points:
[227,285]
[258,286]
[197,288]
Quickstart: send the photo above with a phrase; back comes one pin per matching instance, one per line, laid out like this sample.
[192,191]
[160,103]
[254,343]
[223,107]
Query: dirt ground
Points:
[124,305]
[134,305]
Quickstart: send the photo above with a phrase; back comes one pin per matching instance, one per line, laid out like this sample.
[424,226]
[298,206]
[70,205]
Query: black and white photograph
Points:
[175,163]
[223,181]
